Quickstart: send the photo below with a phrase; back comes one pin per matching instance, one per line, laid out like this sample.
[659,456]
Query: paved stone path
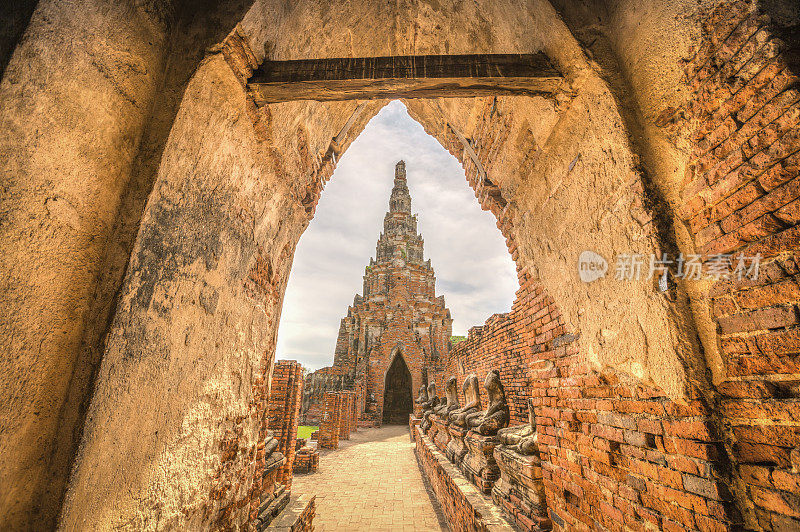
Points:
[372,482]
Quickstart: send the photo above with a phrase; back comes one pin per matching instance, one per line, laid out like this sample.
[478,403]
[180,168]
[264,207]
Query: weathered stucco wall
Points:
[113,75]
[72,114]
[197,316]
[190,331]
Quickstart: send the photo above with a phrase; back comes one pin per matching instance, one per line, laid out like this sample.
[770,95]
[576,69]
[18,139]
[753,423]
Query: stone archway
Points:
[244,181]
[191,329]
[397,392]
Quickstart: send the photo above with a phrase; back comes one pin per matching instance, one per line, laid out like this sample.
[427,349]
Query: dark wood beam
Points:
[421,76]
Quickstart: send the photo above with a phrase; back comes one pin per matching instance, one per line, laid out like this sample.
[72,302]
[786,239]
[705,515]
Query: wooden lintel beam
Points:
[425,76]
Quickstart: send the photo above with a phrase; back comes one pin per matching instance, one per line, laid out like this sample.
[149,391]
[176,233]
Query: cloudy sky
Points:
[473,269]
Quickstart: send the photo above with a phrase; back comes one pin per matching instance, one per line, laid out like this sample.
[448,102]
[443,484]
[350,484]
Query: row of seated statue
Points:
[492,421]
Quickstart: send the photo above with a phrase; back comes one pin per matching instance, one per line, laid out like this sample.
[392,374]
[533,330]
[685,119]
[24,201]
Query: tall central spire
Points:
[399,239]
[400,201]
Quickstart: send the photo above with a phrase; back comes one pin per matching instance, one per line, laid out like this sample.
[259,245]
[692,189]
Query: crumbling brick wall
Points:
[613,451]
[742,196]
[306,460]
[284,412]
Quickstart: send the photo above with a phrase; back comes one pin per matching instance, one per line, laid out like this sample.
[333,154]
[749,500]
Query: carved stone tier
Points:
[456,448]
[520,491]
[479,465]
[442,436]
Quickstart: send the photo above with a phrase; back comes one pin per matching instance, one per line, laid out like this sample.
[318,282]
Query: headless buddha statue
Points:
[522,438]
[472,398]
[496,416]
[451,389]
[423,395]
[427,408]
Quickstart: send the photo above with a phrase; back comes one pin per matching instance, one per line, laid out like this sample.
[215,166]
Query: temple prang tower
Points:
[396,329]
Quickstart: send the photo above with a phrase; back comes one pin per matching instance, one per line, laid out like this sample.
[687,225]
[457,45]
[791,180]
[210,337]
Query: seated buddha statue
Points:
[496,415]
[522,438]
[472,398]
[423,395]
[427,408]
[451,391]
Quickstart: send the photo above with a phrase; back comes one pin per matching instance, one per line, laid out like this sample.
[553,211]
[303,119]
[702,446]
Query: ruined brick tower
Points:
[395,329]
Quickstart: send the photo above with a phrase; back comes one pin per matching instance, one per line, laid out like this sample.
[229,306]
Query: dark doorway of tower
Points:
[397,400]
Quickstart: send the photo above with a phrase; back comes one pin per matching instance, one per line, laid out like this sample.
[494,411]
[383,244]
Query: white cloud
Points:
[474,271]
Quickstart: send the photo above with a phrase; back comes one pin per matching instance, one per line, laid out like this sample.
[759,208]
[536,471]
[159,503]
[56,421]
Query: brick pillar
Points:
[359,401]
[329,428]
[344,418]
[284,412]
[354,413]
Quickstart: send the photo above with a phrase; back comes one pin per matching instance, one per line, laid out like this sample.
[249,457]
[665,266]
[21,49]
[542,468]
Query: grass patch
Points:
[456,339]
[304,432]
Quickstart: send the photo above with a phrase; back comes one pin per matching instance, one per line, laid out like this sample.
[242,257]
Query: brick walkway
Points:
[372,482]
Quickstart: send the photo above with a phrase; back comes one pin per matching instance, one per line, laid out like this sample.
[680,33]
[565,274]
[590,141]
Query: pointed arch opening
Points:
[397,399]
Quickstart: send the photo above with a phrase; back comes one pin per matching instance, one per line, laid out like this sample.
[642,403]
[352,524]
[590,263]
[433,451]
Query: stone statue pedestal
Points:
[520,491]
[479,465]
[436,425]
[413,423]
[456,448]
[274,497]
[442,436]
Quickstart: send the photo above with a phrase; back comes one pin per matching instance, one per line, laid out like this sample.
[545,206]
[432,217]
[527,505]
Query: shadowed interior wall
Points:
[14,18]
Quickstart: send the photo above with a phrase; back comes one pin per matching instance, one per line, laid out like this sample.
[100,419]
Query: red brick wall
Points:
[742,195]
[284,412]
[612,451]
[227,474]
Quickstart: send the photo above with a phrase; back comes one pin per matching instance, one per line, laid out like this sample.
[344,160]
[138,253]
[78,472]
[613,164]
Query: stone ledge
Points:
[464,506]
[298,515]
